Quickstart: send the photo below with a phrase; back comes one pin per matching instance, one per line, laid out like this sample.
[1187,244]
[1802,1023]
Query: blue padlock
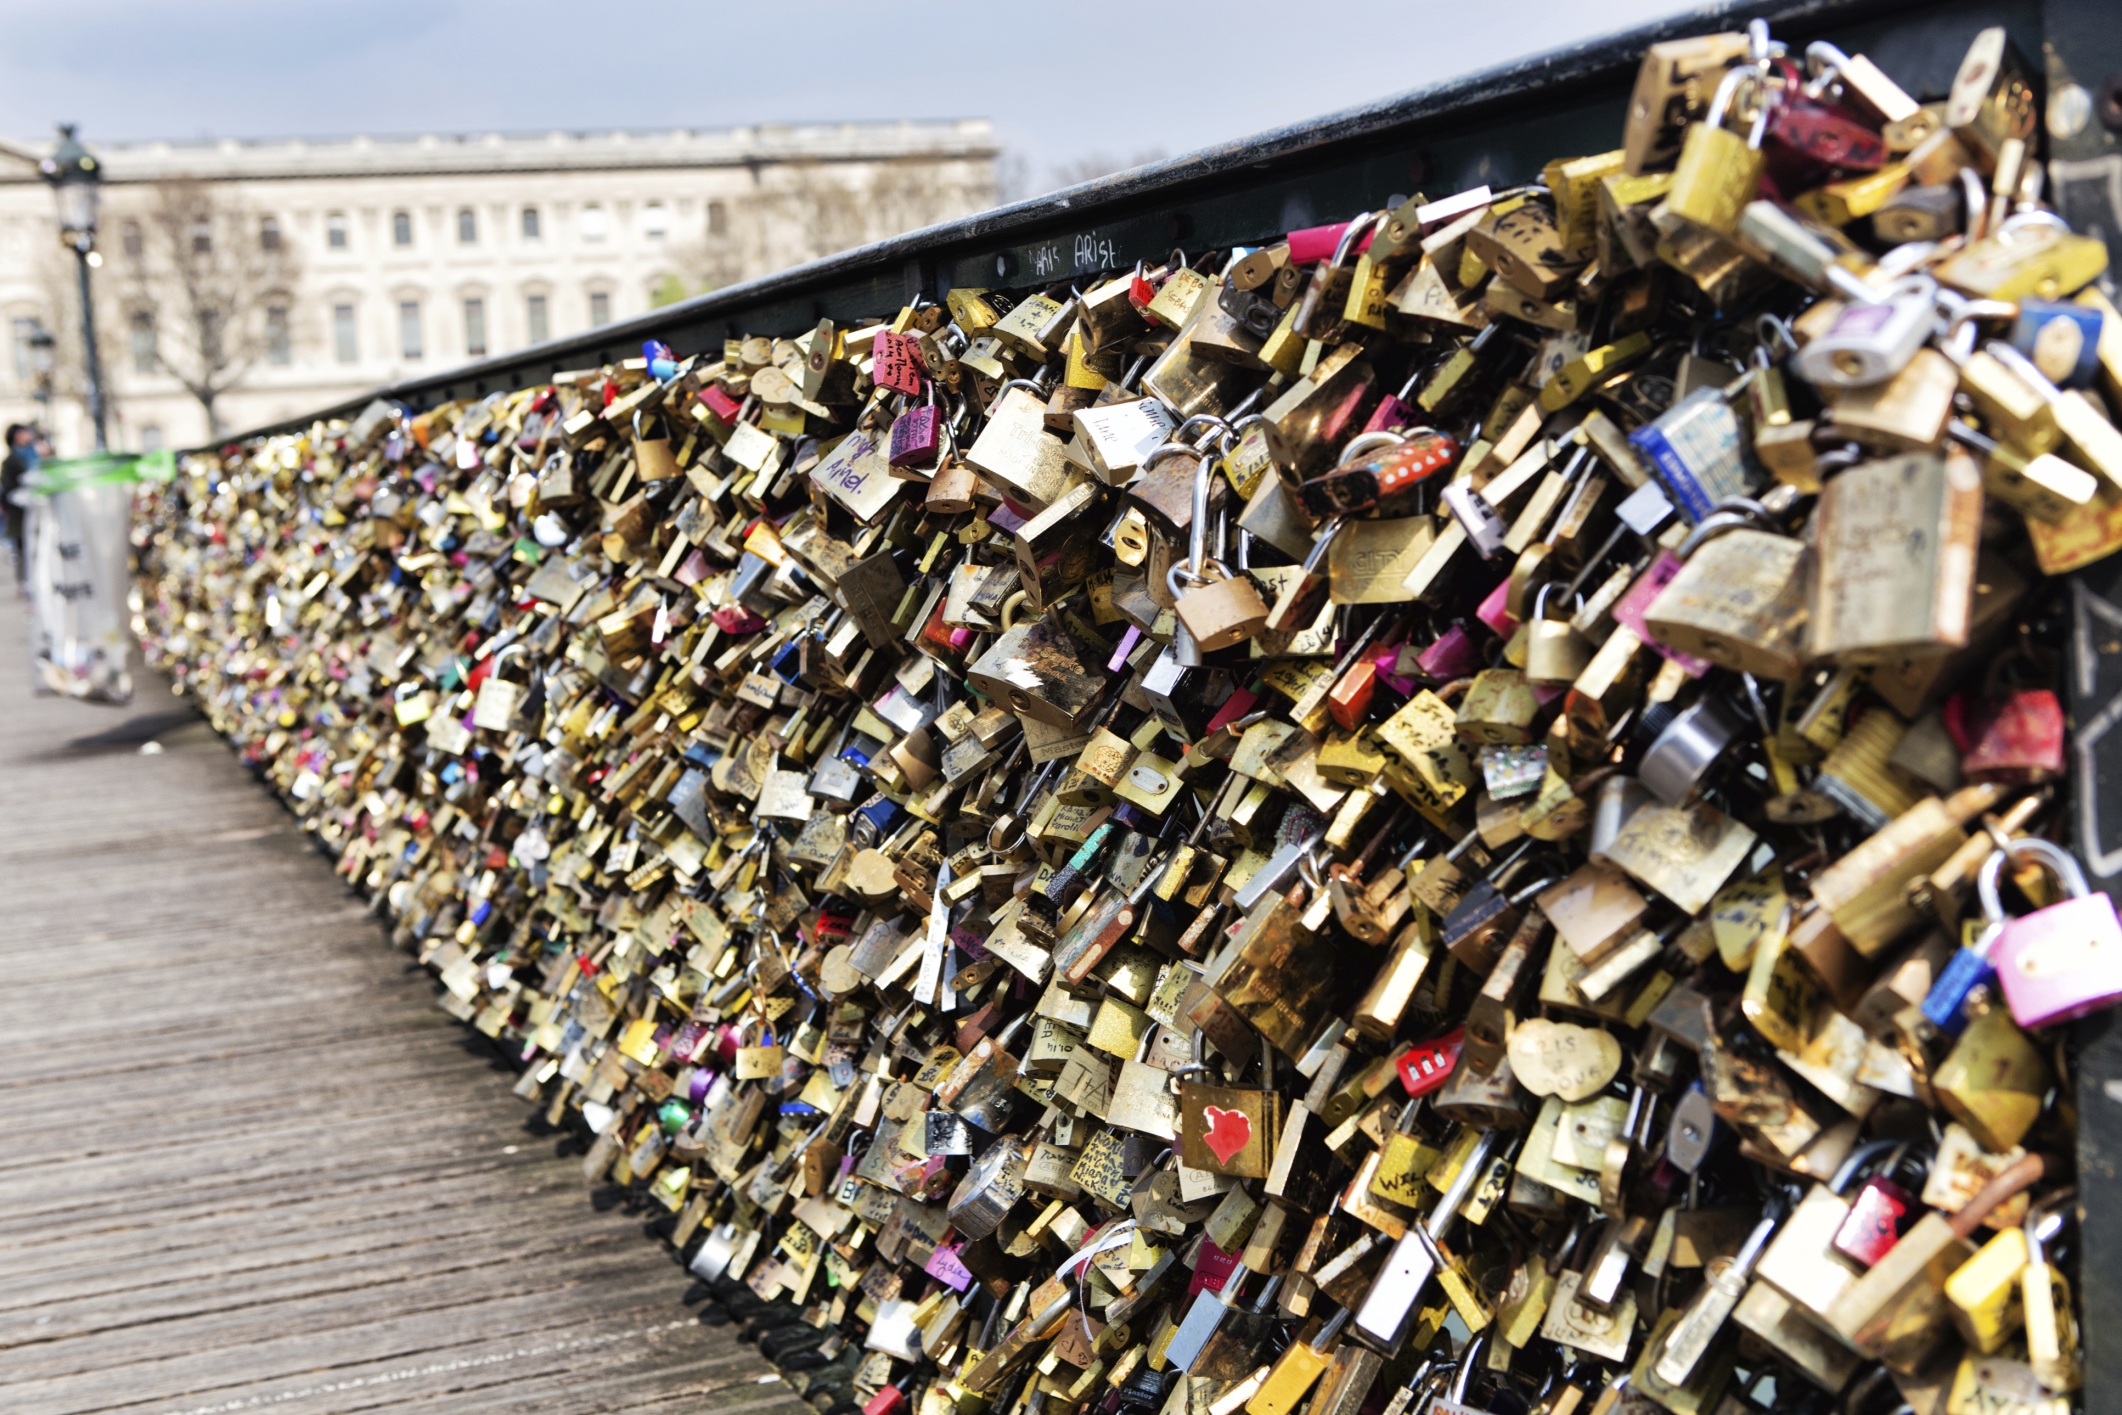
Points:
[2062,340]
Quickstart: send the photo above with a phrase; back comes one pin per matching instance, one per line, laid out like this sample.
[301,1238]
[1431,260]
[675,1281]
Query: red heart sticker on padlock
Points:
[1229,1131]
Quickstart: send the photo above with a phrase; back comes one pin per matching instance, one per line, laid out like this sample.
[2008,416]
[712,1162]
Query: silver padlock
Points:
[1870,343]
[1688,748]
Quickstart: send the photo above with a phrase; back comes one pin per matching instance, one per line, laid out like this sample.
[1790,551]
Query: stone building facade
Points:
[412,254]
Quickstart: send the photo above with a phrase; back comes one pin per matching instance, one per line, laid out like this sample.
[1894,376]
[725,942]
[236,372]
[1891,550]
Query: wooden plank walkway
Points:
[245,1162]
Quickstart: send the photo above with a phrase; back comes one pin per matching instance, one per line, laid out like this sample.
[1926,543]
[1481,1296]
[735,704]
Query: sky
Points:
[1066,95]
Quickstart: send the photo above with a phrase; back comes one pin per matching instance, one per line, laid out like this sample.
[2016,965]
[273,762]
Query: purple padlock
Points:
[916,436]
[1454,655]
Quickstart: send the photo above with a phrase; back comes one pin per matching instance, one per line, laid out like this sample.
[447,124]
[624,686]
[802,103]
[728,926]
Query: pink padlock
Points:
[2055,963]
[1495,611]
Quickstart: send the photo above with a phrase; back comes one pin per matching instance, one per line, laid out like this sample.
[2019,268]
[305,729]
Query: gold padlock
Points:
[653,458]
[1555,653]
[1739,599]
[1221,609]
[1994,1081]
[1718,170]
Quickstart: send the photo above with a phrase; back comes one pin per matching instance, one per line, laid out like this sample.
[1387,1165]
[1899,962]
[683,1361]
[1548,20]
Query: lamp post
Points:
[77,181]
[41,345]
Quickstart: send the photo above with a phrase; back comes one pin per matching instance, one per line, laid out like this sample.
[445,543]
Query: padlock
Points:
[759,1060]
[1555,654]
[1480,925]
[1870,605]
[1320,312]
[1718,170]
[1724,1283]
[1739,599]
[2013,736]
[1870,343]
[1808,134]
[1369,474]
[1881,1210]
[1994,1081]
[2057,963]
[1687,748]
[917,435]
[1475,517]
[1228,1130]
[2060,340]
[495,708]
[653,458]
[1296,1371]
[1219,609]
[2051,1317]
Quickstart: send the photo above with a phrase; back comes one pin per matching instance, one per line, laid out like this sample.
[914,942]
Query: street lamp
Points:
[77,182]
[41,346]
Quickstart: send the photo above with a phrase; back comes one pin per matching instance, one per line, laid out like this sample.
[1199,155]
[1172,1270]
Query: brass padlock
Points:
[1499,709]
[1555,653]
[1718,170]
[1218,609]
[1739,600]
[1873,604]
[654,461]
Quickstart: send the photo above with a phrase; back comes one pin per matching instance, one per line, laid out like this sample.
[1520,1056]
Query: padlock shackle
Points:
[1540,598]
[2047,853]
[1822,59]
[1733,514]
[2045,1219]
[2008,229]
[1858,1158]
[1350,234]
[2022,1175]
[1371,442]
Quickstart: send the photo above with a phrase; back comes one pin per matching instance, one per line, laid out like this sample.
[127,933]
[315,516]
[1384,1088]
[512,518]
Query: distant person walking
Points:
[21,461]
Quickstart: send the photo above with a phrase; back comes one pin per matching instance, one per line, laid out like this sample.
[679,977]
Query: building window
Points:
[467,227]
[279,348]
[593,223]
[717,218]
[600,307]
[135,240]
[151,438]
[335,230]
[269,233]
[202,237]
[475,328]
[343,333]
[409,328]
[655,221]
[530,224]
[540,327]
[142,334]
[401,228]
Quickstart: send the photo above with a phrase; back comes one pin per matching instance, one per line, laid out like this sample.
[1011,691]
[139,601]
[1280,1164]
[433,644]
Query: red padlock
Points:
[1427,1065]
[1880,1212]
[2013,736]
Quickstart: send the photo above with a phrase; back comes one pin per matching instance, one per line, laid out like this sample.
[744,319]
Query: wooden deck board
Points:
[245,1162]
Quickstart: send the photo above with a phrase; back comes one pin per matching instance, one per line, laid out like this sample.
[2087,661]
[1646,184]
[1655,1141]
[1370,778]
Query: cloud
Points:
[1155,74]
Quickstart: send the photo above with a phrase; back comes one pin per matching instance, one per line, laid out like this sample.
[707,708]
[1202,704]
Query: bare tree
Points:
[812,209]
[213,278]
[1091,166]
